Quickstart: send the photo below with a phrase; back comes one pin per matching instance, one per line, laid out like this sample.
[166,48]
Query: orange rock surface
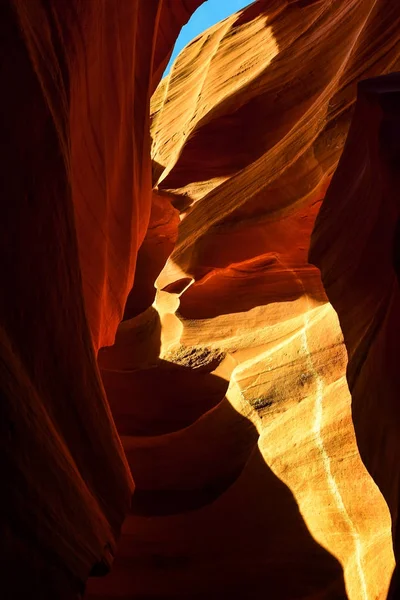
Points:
[361,276]
[76,190]
[156,248]
[255,484]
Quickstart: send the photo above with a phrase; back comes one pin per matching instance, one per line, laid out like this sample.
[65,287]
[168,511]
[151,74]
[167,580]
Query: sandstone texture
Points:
[199,315]
[255,484]
[77,78]
[361,276]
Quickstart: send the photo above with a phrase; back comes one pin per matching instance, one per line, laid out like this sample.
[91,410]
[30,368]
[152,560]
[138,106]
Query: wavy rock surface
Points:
[230,392]
[360,271]
[227,380]
[76,187]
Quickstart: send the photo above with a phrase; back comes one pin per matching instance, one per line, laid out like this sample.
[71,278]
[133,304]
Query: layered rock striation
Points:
[356,245]
[164,323]
[76,190]
[255,481]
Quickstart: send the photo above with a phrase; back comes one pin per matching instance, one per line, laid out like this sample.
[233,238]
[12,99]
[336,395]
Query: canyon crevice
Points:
[199,315]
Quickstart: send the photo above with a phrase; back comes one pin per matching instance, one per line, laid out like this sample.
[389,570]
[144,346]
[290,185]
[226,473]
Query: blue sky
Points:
[209,13]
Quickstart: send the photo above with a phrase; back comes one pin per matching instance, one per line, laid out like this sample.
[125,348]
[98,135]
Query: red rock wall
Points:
[230,391]
[171,251]
[76,188]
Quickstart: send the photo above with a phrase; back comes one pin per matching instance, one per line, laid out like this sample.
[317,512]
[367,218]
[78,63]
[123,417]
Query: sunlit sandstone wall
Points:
[356,245]
[227,383]
[233,404]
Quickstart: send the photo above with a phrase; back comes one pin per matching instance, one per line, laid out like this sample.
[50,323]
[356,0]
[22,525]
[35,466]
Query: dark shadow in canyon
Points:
[369,168]
[206,506]
[394,590]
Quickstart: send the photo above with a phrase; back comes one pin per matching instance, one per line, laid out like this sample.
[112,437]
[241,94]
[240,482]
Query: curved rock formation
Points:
[76,186]
[181,277]
[240,440]
[356,246]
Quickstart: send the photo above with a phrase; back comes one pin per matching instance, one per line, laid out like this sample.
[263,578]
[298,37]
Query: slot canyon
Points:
[200,302]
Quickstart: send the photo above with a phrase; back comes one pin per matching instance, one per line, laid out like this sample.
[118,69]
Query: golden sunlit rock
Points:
[166,335]
[266,481]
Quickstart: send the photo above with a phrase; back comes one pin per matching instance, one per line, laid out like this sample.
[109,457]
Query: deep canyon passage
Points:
[199,307]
